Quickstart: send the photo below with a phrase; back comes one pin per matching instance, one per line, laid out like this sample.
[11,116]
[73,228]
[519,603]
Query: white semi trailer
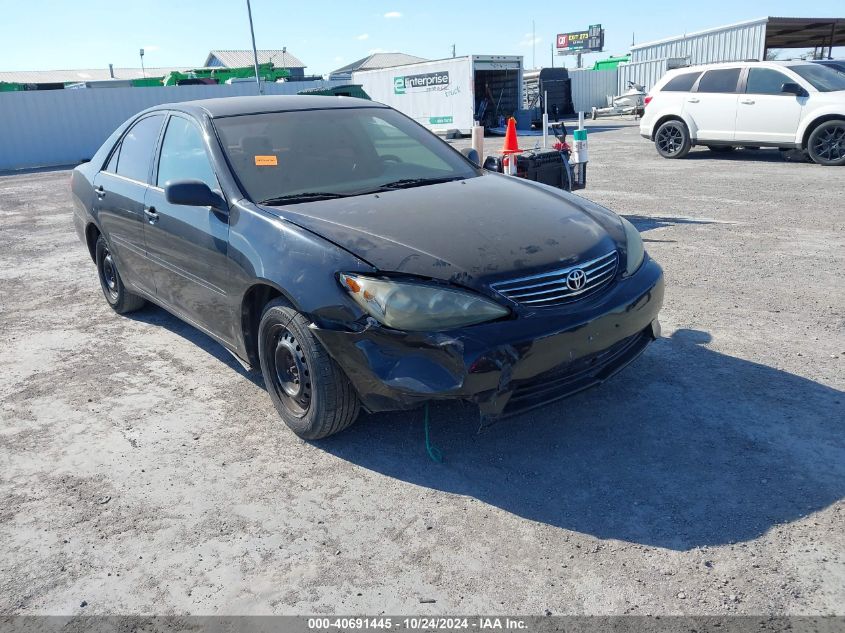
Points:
[448,95]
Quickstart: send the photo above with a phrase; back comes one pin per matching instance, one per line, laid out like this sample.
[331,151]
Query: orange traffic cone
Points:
[511,146]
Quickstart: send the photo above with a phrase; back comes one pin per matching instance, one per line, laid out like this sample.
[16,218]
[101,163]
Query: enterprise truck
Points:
[448,95]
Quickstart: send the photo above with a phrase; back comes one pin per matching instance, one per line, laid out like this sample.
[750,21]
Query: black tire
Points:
[826,145]
[311,393]
[721,149]
[118,297]
[672,139]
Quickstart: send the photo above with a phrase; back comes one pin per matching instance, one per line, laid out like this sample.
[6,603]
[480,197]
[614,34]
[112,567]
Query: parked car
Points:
[836,64]
[359,260]
[788,105]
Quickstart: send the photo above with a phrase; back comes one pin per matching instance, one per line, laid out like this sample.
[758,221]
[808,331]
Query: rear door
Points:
[766,114]
[188,245]
[119,204]
[711,106]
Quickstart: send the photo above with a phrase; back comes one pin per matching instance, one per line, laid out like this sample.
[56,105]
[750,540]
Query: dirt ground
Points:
[142,470]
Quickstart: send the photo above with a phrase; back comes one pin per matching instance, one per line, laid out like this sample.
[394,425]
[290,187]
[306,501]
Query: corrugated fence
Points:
[60,127]
[644,73]
[592,88]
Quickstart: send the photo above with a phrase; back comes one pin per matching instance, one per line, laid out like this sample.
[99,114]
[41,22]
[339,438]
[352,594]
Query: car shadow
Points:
[154,315]
[650,222]
[688,447]
[764,155]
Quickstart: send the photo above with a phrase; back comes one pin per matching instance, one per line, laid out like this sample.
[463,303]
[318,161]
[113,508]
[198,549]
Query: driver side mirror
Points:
[472,155]
[193,193]
[793,89]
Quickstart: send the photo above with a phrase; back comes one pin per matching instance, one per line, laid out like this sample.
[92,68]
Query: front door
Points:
[188,245]
[712,105]
[766,114]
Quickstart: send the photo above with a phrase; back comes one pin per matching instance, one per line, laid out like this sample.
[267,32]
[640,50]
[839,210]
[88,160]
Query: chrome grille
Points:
[551,289]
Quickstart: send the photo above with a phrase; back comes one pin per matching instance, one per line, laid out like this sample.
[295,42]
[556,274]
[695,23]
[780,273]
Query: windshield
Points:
[823,78]
[300,156]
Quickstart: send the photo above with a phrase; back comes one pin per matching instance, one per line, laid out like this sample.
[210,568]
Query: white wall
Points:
[42,128]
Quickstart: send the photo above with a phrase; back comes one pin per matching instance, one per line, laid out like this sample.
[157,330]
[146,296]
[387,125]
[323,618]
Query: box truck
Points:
[448,95]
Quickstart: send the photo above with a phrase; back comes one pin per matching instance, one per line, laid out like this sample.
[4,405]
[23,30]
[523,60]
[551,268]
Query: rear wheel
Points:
[826,145]
[721,149]
[672,139]
[118,297]
[310,392]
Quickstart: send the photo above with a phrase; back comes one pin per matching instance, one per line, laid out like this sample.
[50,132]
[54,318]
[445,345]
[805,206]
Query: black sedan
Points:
[360,261]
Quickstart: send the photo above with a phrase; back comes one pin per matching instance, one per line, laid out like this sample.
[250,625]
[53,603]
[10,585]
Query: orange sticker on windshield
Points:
[266,161]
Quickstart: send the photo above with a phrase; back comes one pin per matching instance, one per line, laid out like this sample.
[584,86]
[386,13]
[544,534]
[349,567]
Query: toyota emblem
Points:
[576,279]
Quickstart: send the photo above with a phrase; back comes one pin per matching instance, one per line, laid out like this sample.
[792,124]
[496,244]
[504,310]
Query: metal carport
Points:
[817,33]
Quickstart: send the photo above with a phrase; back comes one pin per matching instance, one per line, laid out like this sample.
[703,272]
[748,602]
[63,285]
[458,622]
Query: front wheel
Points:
[826,145]
[672,139]
[310,392]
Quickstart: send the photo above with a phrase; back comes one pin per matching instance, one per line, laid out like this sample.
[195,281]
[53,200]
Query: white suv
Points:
[789,105]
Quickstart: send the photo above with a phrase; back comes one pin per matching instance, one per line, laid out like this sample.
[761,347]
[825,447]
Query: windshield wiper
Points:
[303,197]
[406,183]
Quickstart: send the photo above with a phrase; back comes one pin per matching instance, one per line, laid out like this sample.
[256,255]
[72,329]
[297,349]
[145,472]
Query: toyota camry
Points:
[360,261]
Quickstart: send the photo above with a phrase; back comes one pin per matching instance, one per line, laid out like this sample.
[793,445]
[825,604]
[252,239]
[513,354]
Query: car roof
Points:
[740,63]
[236,106]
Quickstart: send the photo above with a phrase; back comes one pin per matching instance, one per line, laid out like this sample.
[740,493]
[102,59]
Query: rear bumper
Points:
[505,367]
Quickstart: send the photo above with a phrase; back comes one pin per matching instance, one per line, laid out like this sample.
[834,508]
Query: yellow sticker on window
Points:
[266,161]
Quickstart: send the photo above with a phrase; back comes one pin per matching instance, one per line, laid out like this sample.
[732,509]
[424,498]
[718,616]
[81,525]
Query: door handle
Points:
[100,192]
[152,214]
[694,100]
[747,101]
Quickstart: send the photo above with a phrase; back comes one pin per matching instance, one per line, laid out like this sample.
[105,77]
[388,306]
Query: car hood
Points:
[483,228]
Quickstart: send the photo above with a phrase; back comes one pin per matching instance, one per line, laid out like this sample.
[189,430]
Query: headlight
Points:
[419,307]
[635,247]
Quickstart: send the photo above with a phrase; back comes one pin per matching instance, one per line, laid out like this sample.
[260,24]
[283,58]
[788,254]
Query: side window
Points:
[112,166]
[681,83]
[765,81]
[137,147]
[721,80]
[183,155]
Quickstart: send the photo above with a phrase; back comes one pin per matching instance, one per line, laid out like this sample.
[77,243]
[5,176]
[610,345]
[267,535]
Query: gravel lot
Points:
[143,471]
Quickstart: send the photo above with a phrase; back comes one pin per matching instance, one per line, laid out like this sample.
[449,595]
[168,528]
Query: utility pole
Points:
[552,49]
[143,72]
[453,50]
[254,50]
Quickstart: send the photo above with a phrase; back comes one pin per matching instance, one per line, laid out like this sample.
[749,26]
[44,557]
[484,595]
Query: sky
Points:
[66,34]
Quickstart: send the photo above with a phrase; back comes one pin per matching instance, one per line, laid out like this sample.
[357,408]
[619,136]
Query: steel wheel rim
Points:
[830,145]
[291,375]
[670,139]
[109,274]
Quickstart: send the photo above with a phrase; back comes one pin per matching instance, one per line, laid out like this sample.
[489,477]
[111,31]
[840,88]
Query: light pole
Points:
[143,72]
[254,50]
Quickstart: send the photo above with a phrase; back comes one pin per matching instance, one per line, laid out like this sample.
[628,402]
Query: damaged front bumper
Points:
[509,366]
